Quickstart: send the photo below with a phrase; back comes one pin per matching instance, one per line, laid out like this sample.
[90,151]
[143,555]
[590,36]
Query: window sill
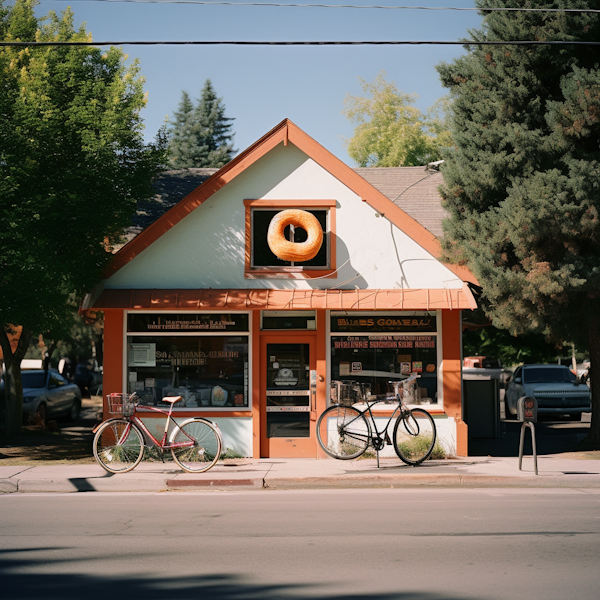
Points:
[290,273]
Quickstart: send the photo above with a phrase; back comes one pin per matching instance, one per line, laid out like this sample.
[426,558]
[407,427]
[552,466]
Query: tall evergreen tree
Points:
[201,136]
[183,147]
[523,183]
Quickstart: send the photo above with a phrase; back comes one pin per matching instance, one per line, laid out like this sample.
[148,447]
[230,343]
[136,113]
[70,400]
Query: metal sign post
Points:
[527,415]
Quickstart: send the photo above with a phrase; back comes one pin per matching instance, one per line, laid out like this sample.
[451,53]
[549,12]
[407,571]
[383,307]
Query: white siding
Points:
[206,248]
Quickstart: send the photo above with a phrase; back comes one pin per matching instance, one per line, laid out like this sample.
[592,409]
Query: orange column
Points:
[255,391]
[112,377]
[322,391]
[451,357]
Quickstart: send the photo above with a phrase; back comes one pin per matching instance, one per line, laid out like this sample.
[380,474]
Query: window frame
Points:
[247,334]
[296,271]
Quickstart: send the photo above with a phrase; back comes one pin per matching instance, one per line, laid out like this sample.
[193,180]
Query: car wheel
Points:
[75,410]
[41,414]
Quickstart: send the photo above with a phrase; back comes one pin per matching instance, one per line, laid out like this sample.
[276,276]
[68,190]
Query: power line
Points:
[376,7]
[311,43]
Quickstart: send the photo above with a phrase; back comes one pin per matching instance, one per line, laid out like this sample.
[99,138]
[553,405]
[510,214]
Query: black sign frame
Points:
[187,322]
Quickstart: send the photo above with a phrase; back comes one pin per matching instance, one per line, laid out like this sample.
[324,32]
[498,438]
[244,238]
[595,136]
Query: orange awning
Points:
[216,299]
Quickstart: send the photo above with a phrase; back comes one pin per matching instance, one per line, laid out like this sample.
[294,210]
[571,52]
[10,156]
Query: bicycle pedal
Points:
[387,440]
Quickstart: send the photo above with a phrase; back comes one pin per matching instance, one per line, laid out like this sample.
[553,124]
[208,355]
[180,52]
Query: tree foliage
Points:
[523,182]
[201,136]
[390,131]
[73,165]
[480,338]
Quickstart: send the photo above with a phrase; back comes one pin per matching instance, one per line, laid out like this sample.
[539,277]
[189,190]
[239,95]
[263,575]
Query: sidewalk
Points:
[279,474]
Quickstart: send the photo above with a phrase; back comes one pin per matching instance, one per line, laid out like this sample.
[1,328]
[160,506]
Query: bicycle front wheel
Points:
[343,432]
[414,436]
[118,446]
[206,448]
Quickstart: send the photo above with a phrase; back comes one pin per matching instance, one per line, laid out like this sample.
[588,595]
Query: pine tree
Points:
[523,183]
[201,136]
[183,149]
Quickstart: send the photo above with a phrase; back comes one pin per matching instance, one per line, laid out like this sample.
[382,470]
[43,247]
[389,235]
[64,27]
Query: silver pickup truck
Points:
[556,389]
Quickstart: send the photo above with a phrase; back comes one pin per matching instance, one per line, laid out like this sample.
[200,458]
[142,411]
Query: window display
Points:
[384,349]
[207,371]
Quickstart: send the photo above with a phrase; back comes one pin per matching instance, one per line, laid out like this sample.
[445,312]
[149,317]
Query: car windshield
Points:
[551,375]
[33,380]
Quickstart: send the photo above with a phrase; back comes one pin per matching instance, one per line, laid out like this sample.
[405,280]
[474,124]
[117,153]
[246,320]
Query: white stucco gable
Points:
[206,248]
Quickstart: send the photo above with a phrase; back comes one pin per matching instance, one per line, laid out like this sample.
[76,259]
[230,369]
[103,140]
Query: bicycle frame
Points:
[397,410]
[377,438]
[162,444]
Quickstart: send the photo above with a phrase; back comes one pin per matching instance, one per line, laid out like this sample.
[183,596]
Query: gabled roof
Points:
[286,132]
[413,189]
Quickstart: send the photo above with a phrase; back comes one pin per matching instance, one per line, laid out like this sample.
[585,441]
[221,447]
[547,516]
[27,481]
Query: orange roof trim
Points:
[286,132]
[395,299]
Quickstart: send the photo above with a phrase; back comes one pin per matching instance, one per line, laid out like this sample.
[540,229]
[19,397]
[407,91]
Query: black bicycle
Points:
[345,432]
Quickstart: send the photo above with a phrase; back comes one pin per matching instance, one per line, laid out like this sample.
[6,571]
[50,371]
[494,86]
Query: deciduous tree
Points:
[73,165]
[390,131]
[523,182]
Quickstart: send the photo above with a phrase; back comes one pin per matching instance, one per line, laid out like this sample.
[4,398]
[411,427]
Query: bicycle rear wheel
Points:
[118,446]
[206,450]
[343,432]
[414,436]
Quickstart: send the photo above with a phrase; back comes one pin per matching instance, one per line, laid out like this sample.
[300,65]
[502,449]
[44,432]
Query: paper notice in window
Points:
[142,355]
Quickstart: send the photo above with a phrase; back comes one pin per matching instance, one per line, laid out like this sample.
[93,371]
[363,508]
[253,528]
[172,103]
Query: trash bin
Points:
[481,398]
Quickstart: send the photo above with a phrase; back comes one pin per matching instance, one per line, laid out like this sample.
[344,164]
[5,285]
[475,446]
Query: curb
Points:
[254,483]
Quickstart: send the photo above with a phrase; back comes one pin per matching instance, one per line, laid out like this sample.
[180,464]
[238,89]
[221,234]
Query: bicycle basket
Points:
[120,404]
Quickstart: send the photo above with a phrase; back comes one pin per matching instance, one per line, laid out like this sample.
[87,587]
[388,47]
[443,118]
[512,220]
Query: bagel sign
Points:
[295,251]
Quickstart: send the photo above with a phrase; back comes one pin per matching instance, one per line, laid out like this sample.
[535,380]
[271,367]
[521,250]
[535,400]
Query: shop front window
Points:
[207,371]
[383,351]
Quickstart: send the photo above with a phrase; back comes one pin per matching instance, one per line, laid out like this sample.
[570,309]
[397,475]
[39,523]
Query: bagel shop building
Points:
[285,282]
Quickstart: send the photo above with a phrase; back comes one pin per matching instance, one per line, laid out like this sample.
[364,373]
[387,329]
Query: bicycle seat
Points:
[172,399]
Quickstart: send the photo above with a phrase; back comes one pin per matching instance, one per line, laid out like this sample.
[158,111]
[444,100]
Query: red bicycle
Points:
[119,442]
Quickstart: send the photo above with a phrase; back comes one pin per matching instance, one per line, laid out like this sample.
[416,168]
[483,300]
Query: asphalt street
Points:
[326,544]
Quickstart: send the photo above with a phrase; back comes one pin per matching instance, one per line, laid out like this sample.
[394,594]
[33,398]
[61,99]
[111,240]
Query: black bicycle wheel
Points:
[343,432]
[414,436]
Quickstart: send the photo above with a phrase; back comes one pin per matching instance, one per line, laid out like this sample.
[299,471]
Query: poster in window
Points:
[417,366]
[142,355]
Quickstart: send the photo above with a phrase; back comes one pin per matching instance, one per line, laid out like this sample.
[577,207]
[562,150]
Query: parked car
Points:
[49,395]
[556,389]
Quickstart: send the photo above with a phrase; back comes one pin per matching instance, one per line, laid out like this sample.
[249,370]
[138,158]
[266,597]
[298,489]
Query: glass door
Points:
[288,397]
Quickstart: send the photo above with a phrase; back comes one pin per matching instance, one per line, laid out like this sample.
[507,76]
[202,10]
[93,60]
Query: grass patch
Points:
[417,446]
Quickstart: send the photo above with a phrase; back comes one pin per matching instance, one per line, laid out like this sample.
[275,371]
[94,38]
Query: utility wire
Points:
[309,43]
[377,7]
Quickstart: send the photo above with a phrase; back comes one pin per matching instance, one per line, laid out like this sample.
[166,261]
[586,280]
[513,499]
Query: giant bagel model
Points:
[294,251]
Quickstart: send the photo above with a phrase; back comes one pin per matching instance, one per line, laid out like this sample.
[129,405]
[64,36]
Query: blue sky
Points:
[260,85]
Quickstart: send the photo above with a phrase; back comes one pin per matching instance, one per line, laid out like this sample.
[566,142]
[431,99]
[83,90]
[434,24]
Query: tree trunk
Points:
[13,385]
[592,441]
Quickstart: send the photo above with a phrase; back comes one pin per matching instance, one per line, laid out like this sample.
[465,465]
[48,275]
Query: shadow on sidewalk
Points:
[72,442]
[552,437]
